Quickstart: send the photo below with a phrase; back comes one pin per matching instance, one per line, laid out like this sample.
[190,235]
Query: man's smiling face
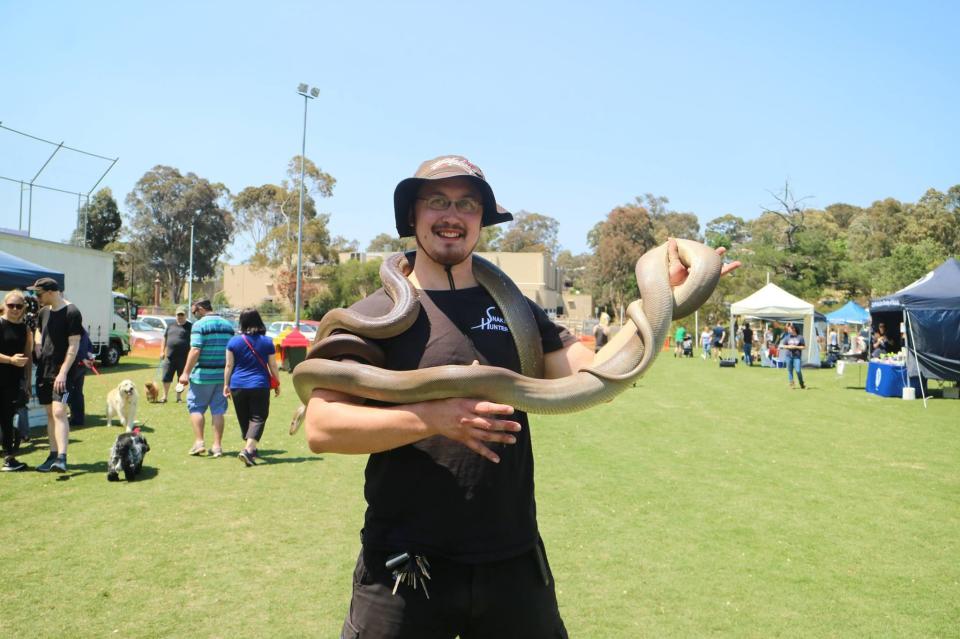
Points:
[447,236]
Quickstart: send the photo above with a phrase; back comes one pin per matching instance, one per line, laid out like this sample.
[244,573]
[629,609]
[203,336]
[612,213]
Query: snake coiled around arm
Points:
[618,364]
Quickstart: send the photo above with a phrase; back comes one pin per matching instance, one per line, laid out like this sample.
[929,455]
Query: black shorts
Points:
[173,366]
[509,598]
[46,395]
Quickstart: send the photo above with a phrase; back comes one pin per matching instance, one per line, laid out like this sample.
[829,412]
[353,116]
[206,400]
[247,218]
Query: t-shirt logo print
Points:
[491,322]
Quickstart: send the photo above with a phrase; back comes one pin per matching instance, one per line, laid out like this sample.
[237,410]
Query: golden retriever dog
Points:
[151,391]
[122,403]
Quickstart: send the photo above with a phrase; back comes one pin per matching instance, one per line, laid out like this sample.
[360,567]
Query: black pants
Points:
[497,600]
[253,407]
[77,404]
[8,408]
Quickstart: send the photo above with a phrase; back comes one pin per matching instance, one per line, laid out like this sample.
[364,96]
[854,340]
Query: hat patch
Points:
[461,163]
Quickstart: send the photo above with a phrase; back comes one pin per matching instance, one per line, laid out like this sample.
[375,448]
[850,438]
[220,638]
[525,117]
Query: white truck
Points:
[88,283]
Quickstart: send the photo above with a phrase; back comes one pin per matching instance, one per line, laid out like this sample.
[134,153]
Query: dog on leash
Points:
[151,392]
[122,404]
[127,455]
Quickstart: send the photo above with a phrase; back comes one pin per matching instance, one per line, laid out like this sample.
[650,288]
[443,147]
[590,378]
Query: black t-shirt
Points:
[747,335]
[178,339]
[436,496]
[13,340]
[56,327]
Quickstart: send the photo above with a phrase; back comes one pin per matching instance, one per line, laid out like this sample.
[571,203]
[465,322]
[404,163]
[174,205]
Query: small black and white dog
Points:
[127,455]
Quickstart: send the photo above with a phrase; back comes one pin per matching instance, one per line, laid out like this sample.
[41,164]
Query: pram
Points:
[687,344]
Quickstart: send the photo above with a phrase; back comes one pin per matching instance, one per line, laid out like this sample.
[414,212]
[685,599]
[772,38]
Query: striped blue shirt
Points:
[210,334]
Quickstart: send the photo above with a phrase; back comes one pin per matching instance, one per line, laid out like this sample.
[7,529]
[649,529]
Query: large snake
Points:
[616,366]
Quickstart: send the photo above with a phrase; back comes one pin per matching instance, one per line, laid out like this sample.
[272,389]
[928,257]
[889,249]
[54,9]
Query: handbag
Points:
[274,382]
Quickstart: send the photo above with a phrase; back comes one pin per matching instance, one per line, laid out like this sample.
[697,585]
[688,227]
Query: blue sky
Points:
[570,108]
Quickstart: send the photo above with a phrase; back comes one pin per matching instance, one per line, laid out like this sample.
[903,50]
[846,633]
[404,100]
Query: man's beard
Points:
[446,260]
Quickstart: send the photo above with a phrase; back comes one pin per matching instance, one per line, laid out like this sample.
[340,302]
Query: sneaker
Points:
[216,451]
[46,465]
[256,457]
[198,449]
[12,465]
[247,458]
[59,466]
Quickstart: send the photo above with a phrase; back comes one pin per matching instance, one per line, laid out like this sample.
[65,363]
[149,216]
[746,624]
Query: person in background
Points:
[601,332]
[174,350]
[678,336]
[85,361]
[251,364]
[794,344]
[747,345]
[706,339]
[204,372]
[61,326]
[719,337]
[16,361]
[881,342]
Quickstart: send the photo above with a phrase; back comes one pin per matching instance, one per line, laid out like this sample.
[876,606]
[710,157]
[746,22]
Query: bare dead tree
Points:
[790,209]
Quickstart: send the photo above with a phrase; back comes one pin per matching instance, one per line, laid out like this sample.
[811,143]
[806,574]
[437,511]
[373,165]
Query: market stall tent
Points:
[773,303]
[849,313]
[929,310]
[16,272]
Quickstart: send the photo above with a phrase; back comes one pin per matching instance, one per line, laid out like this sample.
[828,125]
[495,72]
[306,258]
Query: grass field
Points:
[706,502]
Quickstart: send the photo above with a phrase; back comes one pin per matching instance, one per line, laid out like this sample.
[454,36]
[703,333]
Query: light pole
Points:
[313,92]
[190,281]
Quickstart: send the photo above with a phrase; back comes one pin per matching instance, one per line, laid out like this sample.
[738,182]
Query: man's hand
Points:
[678,272]
[60,383]
[184,379]
[473,423]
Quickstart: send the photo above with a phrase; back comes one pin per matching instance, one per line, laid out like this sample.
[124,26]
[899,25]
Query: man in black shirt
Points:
[60,328]
[449,483]
[747,345]
[174,350]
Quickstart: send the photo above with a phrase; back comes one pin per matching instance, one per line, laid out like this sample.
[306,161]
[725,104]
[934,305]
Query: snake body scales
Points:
[618,364]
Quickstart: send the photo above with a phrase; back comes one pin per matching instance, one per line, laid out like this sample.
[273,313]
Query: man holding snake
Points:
[450,545]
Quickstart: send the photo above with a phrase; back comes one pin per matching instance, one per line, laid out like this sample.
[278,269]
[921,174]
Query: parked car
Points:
[307,327]
[159,322]
[143,335]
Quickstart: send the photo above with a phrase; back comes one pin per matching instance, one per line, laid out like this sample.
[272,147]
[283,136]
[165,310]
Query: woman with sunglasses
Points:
[16,346]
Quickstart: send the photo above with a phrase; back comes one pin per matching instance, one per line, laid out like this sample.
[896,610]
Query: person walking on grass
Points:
[719,337]
[16,362]
[251,365]
[678,336]
[60,325]
[794,344]
[706,340]
[174,350]
[747,342]
[204,372]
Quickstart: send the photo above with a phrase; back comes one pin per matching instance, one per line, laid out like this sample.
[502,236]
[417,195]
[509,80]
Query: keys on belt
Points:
[409,569]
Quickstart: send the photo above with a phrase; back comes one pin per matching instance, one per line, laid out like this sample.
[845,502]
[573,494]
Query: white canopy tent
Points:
[773,303]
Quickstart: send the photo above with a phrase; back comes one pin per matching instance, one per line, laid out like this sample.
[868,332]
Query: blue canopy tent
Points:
[17,272]
[930,312]
[849,313]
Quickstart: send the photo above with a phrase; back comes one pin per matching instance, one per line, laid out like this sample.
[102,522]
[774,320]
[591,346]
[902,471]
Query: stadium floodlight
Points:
[314,92]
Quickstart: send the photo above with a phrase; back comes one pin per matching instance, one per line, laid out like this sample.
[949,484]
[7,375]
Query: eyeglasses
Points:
[442,203]
[18,307]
